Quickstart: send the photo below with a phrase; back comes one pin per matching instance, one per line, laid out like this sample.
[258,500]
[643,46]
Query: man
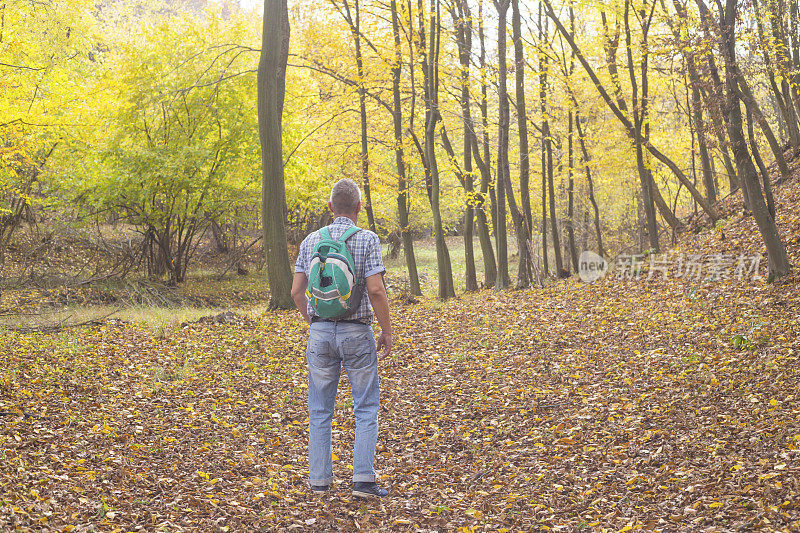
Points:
[349,342]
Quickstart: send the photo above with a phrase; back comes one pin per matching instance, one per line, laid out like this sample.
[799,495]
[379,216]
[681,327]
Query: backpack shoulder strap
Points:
[325,233]
[349,233]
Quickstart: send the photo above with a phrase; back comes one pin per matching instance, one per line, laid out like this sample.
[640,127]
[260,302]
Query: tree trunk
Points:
[271,91]
[545,129]
[560,272]
[503,280]
[760,163]
[463,24]
[484,164]
[402,182]
[776,252]
[786,52]
[753,108]
[430,65]
[573,252]
[522,115]
[696,109]
[639,110]
[611,45]
[520,216]
[718,124]
[715,106]
[590,182]
[699,126]
[362,109]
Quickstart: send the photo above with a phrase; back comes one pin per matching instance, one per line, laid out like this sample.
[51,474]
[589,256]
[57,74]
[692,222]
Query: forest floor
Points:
[659,403]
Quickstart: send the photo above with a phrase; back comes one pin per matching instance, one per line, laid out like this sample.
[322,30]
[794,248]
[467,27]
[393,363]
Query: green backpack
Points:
[333,286]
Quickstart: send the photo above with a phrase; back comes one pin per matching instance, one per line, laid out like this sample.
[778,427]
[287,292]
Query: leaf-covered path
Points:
[624,405]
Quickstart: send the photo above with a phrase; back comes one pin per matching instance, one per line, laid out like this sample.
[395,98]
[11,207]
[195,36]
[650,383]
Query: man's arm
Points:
[299,285]
[380,305]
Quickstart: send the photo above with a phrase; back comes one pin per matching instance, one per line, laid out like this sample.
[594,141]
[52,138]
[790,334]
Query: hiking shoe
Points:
[362,489]
[319,490]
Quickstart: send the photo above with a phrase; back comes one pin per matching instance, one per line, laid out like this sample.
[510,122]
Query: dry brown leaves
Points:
[621,405]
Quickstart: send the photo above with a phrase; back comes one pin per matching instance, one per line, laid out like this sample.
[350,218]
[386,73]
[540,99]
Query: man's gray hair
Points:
[345,196]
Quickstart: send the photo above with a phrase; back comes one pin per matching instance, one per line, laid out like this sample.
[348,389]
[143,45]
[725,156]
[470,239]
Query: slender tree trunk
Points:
[590,182]
[699,125]
[522,115]
[790,78]
[430,65]
[520,216]
[611,46]
[402,181]
[525,274]
[714,101]
[545,128]
[362,108]
[645,177]
[720,129]
[573,252]
[484,164]
[271,91]
[545,255]
[560,272]
[760,163]
[503,279]
[462,22]
[753,108]
[794,48]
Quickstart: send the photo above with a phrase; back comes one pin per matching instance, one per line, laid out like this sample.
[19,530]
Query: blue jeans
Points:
[331,346]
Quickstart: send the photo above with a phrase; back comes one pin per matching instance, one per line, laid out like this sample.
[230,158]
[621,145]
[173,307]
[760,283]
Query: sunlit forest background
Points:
[133,125]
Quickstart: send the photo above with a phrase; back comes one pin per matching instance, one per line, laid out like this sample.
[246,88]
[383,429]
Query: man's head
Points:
[345,199]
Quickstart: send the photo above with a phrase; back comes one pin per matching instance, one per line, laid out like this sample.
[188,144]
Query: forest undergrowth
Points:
[658,403]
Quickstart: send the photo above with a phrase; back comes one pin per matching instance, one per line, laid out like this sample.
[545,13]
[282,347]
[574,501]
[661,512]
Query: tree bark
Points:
[402,181]
[503,278]
[639,117]
[560,272]
[545,129]
[590,182]
[760,163]
[362,109]
[459,12]
[430,65]
[715,101]
[522,115]
[271,91]
[573,251]
[520,216]
[484,165]
[785,50]
[752,106]
[610,46]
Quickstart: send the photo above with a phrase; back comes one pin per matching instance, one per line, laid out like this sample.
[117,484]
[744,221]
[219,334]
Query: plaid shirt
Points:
[364,246]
